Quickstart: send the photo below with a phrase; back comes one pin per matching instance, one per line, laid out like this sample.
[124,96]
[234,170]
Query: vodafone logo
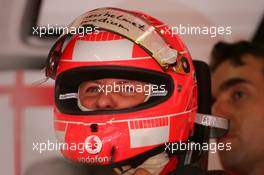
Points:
[93,144]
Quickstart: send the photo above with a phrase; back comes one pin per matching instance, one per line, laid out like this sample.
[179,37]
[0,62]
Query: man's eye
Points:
[94,89]
[237,95]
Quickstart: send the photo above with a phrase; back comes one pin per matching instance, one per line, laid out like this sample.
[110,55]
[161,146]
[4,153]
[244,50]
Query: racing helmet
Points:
[129,45]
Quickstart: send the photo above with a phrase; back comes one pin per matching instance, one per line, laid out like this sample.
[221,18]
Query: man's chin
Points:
[229,140]
[230,157]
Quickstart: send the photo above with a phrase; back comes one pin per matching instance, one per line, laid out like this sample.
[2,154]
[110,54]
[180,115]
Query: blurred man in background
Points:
[238,91]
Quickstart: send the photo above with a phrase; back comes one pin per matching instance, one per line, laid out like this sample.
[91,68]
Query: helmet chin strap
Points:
[218,125]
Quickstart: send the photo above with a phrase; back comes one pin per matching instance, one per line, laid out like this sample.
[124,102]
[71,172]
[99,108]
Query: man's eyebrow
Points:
[232,82]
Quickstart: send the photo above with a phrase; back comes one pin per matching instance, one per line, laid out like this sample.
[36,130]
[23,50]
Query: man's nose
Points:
[221,108]
[106,101]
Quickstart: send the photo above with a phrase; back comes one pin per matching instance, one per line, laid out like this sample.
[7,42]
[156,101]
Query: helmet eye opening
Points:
[69,81]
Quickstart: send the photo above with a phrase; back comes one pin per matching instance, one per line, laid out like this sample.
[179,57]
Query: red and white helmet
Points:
[127,45]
